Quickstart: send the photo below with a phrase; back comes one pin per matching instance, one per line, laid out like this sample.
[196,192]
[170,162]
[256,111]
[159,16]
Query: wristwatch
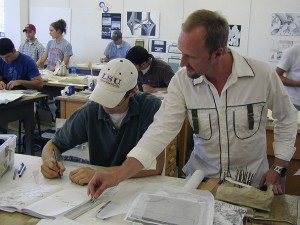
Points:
[282,171]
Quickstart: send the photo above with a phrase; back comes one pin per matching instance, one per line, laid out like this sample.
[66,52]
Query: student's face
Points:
[9,57]
[30,34]
[54,33]
[195,57]
[120,108]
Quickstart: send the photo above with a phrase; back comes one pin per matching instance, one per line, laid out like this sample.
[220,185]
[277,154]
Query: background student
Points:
[31,47]
[154,74]
[226,97]
[17,71]
[117,48]
[112,124]
[288,70]
[58,49]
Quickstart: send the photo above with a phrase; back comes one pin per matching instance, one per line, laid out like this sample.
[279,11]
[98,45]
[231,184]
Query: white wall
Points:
[85,27]
[15,19]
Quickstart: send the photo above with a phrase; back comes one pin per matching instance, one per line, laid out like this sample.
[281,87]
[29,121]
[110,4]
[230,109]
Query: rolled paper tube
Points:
[194,180]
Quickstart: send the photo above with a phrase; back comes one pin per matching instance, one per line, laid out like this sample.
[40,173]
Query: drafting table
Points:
[22,109]
[33,164]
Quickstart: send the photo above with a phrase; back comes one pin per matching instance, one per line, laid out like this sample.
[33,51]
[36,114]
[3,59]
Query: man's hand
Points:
[82,175]
[13,83]
[2,85]
[101,181]
[147,88]
[278,182]
[50,170]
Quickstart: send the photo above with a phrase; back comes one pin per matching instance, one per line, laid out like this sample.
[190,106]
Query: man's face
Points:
[118,42]
[120,108]
[30,35]
[195,57]
[9,57]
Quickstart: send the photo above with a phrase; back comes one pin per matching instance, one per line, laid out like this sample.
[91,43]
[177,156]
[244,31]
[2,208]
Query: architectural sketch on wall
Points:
[234,37]
[110,22]
[285,24]
[278,47]
[142,24]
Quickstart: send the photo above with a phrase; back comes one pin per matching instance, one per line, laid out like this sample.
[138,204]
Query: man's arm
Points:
[42,60]
[83,175]
[105,179]
[34,83]
[286,81]
[149,89]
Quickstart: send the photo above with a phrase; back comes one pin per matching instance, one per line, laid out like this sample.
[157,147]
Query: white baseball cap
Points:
[116,78]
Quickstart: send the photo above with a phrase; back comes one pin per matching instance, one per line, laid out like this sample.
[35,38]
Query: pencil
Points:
[55,157]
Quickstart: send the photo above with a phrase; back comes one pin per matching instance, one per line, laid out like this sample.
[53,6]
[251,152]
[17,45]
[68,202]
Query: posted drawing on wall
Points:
[278,47]
[285,24]
[142,24]
[234,37]
[110,22]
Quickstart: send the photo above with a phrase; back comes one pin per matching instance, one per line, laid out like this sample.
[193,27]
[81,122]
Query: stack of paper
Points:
[8,97]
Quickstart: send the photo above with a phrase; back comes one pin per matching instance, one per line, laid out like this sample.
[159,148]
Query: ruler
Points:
[75,213]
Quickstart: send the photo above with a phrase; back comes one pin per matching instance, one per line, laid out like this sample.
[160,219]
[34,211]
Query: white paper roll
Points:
[194,180]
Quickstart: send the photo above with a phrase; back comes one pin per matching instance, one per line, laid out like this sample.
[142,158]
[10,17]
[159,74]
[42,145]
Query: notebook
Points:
[44,201]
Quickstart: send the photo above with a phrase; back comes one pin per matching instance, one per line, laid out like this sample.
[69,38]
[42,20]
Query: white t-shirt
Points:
[290,62]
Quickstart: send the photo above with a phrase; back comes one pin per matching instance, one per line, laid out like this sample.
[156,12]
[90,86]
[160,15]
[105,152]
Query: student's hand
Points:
[82,175]
[2,85]
[13,83]
[101,181]
[147,88]
[278,182]
[50,170]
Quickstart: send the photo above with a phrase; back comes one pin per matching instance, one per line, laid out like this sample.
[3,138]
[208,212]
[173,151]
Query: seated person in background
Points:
[117,48]
[289,65]
[58,49]
[112,124]
[17,71]
[31,47]
[154,74]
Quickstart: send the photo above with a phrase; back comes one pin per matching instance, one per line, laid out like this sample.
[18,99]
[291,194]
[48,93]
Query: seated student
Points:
[154,74]
[58,49]
[17,71]
[112,124]
[117,48]
[31,46]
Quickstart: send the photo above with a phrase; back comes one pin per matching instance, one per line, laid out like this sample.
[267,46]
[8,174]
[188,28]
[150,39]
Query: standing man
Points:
[31,47]
[17,71]
[154,74]
[117,48]
[226,97]
[289,65]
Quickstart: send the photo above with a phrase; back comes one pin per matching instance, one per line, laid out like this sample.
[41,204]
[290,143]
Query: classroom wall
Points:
[86,16]
[16,17]
[260,40]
